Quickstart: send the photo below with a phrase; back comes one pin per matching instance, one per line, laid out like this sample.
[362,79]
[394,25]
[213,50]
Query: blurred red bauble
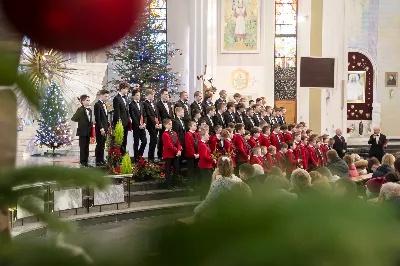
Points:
[73,25]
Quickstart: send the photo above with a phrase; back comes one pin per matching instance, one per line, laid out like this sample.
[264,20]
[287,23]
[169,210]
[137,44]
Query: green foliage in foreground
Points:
[306,233]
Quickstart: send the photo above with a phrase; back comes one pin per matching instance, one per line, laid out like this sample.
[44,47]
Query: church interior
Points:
[269,108]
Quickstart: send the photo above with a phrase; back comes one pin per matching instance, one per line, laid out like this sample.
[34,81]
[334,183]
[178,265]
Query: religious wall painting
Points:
[356,81]
[240,79]
[391,79]
[240,26]
[360,87]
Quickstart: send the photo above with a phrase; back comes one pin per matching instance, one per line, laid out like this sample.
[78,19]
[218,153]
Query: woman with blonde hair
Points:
[222,184]
[320,182]
[350,163]
[388,159]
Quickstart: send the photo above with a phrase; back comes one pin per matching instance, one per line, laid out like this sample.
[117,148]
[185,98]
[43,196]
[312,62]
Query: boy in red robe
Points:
[240,145]
[254,138]
[271,159]
[291,161]
[192,152]
[264,136]
[281,157]
[276,137]
[205,164]
[256,158]
[172,151]
[300,151]
[312,156]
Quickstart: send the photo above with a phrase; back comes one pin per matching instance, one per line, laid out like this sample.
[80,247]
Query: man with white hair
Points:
[340,145]
[222,98]
[378,142]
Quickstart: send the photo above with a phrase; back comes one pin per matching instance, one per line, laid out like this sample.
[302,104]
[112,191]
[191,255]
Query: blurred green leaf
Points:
[9,62]
[63,176]
[28,90]
[54,223]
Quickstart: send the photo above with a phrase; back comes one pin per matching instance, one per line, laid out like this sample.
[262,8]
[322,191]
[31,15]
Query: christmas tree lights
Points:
[143,57]
[54,130]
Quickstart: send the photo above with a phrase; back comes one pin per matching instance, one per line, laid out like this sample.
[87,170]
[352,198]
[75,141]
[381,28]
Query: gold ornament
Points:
[352,106]
[361,112]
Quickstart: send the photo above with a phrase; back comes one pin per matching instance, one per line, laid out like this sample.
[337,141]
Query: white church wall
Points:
[388,61]
[260,67]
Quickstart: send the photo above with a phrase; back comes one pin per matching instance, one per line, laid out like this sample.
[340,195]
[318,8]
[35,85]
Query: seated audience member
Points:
[397,155]
[373,187]
[276,171]
[361,167]
[320,182]
[386,166]
[246,171]
[346,188]
[388,159]
[397,165]
[301,184]
[279,186]
[392,177]
[336,165]
[222,183]
[253,176]
[390,193]
[356,157]
[350,163]
[373,164]
[327,173]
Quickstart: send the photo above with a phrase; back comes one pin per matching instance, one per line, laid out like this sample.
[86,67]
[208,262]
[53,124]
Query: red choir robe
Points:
[264,140]
[189,144]
[170,148]
[276,140]
[205,158]
[291,162]
[281,159]
[253,142]
[301,153]
[320,156]
[287,136]
[258,160]
[271,161]
[241,151]
[312,158]
[324,152]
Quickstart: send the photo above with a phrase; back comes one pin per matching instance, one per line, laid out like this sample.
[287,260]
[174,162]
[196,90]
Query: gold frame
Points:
[396,76]
[363,74]
[246,76]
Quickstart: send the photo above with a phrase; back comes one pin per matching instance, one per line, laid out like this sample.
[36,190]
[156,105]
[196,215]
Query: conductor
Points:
[378,142]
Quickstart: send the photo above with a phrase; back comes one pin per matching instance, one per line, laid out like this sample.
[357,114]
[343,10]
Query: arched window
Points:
[158,8]
[285,50]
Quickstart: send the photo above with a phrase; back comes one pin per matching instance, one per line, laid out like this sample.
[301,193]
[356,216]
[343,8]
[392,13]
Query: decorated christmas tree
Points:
[143,56]
[54,131]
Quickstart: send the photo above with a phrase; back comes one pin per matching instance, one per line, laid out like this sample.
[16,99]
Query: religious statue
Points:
[240,14]
[361,128]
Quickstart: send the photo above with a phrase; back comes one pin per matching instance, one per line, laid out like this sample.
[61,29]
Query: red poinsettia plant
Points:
[144,171]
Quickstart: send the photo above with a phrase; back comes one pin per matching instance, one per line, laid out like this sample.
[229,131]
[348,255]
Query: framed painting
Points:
[356,81]
[391,79]
[240,26]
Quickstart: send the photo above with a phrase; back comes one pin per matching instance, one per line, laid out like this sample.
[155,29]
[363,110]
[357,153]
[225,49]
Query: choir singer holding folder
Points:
[378,142]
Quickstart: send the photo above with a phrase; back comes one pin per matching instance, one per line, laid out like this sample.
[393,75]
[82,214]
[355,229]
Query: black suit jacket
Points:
[196,106]
[120,111]
[268,119]
[340,145]
[219,119]
[151,115]
[229,118]
[219,101]
[84,124]
[205,105]
[377,148]
[210,123]
[163,113]
[239,118]
[100,116]
[180,131]
[188,113]
[136,114]
[248,122]
[256,119]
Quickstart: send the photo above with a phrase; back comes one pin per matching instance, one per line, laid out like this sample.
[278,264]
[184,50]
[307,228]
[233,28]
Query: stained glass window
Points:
[285,49]
[158,9]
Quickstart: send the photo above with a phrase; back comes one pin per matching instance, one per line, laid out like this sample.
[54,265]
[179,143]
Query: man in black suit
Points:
[207,103]
[240,109]
[121,111]
[248,119]
[183,102]
[178,125]
[340,145]
[153,122]
[209,118]
[197,104]
[222,98]
[164,109]
[219,116]
[139,121]
[257,114]
[378,142]
[101,119]
[84,118]
[229,114]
